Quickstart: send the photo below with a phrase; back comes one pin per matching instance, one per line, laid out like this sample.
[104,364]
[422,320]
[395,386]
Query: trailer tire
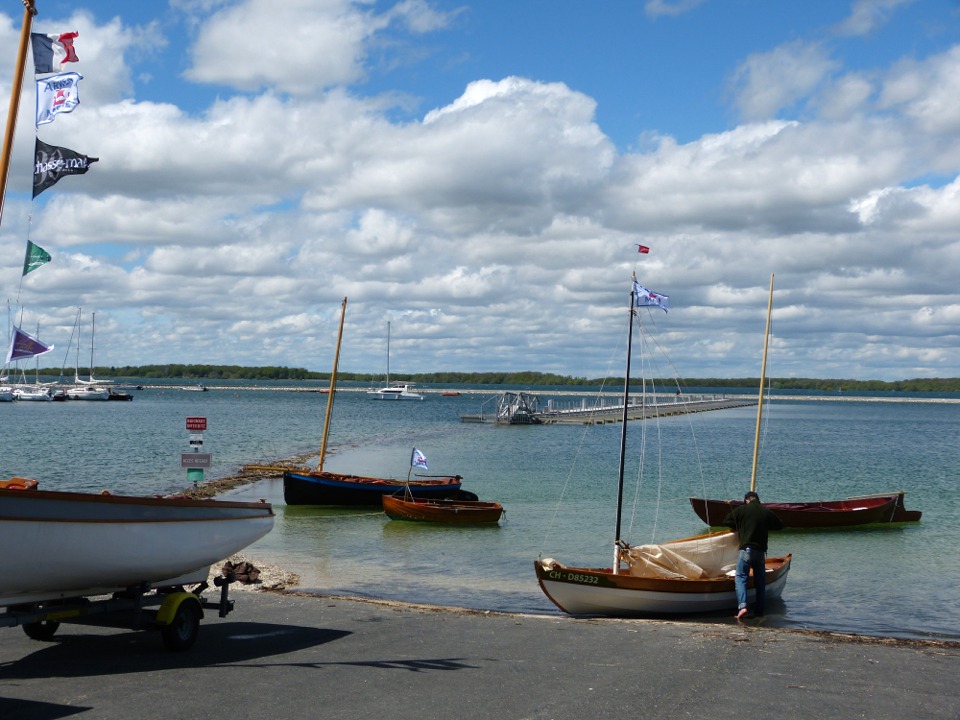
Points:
[182,632]
[42,630]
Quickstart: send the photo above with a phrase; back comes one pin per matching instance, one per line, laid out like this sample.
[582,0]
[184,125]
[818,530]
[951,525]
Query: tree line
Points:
[526,378]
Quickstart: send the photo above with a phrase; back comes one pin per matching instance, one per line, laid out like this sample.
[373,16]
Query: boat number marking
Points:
[574,577]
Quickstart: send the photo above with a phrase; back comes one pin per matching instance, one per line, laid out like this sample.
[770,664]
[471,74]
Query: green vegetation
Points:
[526,378]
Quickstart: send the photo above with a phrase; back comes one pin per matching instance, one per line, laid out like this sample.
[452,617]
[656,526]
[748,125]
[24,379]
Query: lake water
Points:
[558,485]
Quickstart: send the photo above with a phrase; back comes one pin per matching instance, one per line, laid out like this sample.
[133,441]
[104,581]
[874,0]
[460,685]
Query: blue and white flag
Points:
[418,460]
[644,297]
[57,94]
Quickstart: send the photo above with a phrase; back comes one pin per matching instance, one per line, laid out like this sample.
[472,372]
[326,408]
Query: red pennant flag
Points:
[643,249]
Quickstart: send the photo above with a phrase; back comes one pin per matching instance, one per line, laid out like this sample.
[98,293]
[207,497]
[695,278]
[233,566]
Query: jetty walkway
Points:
[640,410]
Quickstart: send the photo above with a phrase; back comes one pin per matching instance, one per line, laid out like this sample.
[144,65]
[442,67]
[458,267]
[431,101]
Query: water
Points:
[896,581]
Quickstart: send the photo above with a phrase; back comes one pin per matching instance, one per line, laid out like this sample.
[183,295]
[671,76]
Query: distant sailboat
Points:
[397,391]
[91,389]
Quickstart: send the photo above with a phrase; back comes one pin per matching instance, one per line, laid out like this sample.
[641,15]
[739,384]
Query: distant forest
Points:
[526,378]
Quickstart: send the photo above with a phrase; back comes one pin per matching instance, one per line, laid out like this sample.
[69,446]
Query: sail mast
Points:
[28,12]
[388,353]
[623,436]
[763,375]
[333,387]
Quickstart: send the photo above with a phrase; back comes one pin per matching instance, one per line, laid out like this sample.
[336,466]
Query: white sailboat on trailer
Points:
[693,575]
[62,546]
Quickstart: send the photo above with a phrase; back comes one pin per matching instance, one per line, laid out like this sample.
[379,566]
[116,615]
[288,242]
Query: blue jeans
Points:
[751,559]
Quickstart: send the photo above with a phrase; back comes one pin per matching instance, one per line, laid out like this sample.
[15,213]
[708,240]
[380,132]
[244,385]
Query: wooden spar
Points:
[333,387]
[763,375]
[28,12]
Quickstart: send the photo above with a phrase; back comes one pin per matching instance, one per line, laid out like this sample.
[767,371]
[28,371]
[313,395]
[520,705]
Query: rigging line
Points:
[690,417]
[579,447]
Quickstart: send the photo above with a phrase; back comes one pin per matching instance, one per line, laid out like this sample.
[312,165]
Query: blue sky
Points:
[479,174]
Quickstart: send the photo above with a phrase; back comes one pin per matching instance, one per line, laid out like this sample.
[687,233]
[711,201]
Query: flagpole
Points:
[28,12]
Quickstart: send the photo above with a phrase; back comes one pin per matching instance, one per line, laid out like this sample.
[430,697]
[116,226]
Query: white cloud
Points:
[499,230]
[766,83]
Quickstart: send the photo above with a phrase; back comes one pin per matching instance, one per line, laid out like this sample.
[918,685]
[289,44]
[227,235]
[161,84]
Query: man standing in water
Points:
[752,521]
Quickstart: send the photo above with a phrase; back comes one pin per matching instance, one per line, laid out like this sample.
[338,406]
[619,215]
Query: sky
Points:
[479,176]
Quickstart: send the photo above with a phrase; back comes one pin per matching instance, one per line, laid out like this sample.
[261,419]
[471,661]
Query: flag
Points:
[57,94]
[24,345]
[643,249]
[418,460]
[52,162]
[36,256]
[51,52]
[644,297]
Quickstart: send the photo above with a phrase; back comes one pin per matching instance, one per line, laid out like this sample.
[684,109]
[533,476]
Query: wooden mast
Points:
[763,375]
[333,387]
[28,12]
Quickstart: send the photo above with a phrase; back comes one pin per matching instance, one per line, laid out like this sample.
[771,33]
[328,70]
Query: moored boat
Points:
[319,487]
[88,392]
[32,393]
[71,544]
[823,514]
[402,507]
[395,392]
[326,488]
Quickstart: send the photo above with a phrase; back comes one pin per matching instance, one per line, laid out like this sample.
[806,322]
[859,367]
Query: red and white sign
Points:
[196,423]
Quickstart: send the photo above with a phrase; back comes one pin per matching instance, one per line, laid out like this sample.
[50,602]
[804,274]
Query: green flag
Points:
[36,256]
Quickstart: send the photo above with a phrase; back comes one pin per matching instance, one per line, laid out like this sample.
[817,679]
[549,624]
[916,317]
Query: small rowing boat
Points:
[400,507]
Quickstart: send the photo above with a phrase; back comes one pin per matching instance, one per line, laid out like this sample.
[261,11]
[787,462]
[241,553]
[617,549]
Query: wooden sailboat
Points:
[848,512]
[692,575]
[320,487]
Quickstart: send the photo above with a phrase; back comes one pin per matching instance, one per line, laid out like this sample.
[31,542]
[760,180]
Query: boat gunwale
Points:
[111,499]
[372,483]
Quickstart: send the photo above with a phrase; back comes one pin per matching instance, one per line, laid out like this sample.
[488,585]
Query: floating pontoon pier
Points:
[522,408]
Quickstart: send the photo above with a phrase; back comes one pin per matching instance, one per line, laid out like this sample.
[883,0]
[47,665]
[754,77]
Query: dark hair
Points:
[750,495]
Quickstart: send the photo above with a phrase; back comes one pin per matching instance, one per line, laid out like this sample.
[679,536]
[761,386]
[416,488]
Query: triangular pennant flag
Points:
[23,345]
[36,256]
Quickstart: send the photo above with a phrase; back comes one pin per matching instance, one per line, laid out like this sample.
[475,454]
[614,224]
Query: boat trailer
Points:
[174,611]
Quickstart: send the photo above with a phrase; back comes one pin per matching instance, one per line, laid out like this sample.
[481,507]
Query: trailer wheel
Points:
[42,630]
[182,632]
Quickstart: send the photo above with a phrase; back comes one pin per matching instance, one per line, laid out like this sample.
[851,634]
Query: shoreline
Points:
[278,581]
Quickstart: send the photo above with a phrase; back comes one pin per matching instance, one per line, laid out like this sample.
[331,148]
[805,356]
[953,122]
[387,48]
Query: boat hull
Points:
[457,512]
[324,488]
[823,514]
[61,545]
[88,393]
[394,392]
[598,592]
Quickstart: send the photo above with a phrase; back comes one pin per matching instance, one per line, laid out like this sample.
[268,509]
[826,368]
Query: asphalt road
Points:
[281,656]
